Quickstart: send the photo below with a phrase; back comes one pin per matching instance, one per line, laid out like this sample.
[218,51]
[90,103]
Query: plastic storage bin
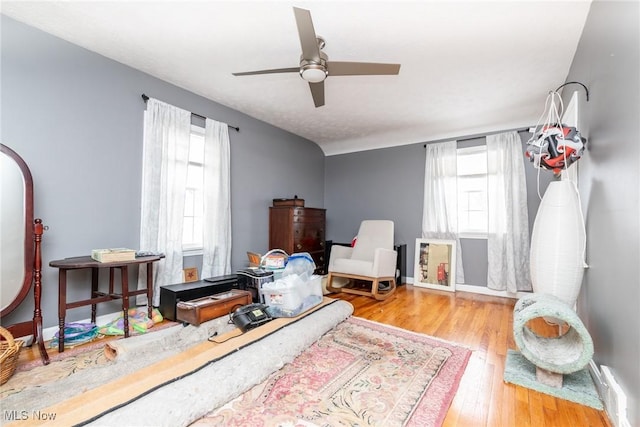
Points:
[289,298]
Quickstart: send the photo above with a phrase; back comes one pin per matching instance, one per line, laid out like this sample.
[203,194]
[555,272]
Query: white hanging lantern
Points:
[558,243]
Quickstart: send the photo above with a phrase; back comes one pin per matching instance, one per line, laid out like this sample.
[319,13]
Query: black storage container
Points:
[251,279]
[170,295]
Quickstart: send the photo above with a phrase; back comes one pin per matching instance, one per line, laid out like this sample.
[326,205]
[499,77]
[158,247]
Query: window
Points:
[192,229]
[472,191]
[173,148]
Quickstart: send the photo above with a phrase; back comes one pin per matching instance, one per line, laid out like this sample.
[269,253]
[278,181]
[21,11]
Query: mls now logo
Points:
[15,415]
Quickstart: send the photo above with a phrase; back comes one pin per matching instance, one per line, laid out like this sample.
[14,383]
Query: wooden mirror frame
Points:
[33,230]
[28,256]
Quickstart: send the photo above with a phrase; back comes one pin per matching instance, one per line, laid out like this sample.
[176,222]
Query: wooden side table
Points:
[83,262]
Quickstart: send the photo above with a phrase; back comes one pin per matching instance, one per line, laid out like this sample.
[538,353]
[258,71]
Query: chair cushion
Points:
[352,266]
[371,235]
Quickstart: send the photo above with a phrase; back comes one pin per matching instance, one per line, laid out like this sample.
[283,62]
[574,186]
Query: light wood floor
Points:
[484,324]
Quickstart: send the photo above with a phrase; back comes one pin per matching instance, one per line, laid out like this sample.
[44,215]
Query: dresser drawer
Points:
[308,237]
[308,215]
[299,229]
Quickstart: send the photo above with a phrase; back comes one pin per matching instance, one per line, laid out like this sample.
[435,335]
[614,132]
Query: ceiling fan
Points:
[315,66]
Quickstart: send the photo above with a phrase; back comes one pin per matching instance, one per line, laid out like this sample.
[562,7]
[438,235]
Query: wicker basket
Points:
[9,352]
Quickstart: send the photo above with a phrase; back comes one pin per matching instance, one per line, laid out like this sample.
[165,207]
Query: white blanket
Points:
[191,397]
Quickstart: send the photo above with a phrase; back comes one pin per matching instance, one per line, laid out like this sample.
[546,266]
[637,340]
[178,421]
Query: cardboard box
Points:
[113,255]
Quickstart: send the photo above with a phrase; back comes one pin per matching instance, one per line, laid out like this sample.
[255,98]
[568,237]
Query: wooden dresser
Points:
[299,229]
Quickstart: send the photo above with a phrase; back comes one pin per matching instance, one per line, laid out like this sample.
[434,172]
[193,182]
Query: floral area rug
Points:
[74,360]
[41,376]
[360,373]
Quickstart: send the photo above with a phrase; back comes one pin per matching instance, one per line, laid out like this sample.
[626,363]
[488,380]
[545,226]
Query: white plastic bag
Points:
[300,264]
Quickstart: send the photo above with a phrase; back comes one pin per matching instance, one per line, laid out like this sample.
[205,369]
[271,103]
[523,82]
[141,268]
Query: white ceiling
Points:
[466,67]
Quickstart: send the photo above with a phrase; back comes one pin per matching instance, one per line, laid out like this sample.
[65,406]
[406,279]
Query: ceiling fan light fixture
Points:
[314,63]
[313,73]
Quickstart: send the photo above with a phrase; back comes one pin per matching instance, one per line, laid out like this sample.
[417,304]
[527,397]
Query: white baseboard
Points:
[601,386]
[615,399]
[486,291]
[483,290]
[611,394]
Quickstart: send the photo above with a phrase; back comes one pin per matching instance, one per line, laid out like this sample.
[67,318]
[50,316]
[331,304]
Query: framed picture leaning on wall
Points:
[435,264]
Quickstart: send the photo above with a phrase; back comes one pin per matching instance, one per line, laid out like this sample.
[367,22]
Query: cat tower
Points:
[552,356]
[558,246]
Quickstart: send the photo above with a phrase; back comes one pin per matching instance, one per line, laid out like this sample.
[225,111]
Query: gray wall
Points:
[376,184]
[607,61]
[388,184]
[76,118]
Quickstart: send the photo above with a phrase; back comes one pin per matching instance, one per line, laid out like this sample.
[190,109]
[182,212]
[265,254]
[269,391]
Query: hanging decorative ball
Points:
[555,147]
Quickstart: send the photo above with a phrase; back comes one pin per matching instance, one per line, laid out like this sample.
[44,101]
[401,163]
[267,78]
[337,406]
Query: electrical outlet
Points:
[615,399]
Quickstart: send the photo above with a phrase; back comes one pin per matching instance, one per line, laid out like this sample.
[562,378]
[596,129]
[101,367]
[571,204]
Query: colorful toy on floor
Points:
[76,333]
[138,322]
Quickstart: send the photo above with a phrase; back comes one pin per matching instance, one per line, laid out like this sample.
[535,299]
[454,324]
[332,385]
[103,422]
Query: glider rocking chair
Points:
[371,259]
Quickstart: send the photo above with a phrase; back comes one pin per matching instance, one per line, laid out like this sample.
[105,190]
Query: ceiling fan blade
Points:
[338,68]
[317,92]
[274,71]
[308,38]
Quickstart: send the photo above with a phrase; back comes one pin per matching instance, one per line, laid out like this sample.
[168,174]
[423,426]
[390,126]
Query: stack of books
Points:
[113,255]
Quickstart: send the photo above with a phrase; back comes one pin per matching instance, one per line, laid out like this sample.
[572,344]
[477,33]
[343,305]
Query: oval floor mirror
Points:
[21,262]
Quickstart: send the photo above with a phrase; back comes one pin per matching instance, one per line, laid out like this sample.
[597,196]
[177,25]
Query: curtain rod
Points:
[478,135]
[145,98]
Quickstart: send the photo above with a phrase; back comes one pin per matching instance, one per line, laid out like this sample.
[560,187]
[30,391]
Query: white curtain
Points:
[216,259]
[508,237]
[164,175]
[440,203]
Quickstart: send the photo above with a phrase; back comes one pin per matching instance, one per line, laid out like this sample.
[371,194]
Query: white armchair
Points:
[371,259]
